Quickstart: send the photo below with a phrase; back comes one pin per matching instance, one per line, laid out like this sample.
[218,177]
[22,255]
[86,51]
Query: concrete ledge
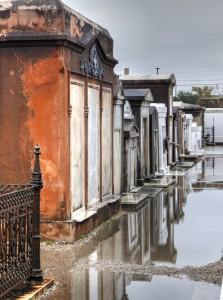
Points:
[113,199]
[185,164]
[190,157]
[84,216]
[177,172]
[136,189]
[133,199]
[71,230]
[151,192]
[163,182]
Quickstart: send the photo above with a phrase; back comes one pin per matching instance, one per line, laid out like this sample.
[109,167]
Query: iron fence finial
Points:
[36,178]
[36,181]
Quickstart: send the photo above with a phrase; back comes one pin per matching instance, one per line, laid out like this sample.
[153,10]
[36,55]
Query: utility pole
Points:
[157,70]
[175,90]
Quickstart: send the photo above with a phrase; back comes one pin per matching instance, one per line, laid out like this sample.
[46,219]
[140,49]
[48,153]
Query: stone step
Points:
[84,216]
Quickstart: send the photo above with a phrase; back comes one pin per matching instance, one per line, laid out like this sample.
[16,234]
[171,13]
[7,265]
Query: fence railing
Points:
[20,231]
[209,135]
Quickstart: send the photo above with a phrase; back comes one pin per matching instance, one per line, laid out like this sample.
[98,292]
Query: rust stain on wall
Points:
[42,72]
[15,156]
[42,86]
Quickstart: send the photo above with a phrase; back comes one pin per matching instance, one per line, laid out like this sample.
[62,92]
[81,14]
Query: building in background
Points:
[192,130]
[213,119]
[161,87]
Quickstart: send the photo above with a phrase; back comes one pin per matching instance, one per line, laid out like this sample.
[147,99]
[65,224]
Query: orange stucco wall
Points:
[34,97]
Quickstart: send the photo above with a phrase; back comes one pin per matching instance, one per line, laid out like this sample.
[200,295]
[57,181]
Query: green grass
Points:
[49,243]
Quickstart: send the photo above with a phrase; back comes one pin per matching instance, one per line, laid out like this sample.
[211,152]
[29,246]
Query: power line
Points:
[198,72]
[202,84]
[170,39]
[170,46]
[198,80]
[171,66]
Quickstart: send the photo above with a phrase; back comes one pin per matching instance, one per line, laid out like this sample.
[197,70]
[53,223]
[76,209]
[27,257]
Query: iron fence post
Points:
[36,181]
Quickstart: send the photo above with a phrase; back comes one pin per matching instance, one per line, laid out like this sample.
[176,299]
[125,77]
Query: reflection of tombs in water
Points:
[137,236]
[131,150]
[211,175]
[137,277]
[209,162]
[165,253]
[92,284]
[178,203]
[162,229]
[137,242]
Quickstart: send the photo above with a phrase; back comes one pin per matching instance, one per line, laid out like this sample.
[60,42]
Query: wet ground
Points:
[171,248]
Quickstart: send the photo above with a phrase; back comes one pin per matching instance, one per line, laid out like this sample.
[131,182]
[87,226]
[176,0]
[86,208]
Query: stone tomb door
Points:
[133,167]
[77,188]
[156,149]
[106,142]
[93,145]
[145,136]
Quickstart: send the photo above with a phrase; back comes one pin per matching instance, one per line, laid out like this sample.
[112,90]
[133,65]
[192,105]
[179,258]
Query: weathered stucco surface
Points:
[32,102]
[43,87]
[32,18]
[15,152]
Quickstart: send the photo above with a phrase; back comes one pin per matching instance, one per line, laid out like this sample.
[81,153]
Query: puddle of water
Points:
[181,226]
[113,285]
[198,239]
[162,288]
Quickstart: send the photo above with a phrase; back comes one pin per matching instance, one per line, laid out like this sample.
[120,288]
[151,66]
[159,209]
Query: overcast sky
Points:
[184,37]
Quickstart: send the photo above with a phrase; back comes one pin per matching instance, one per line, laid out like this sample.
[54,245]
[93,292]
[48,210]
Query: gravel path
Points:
[211,273]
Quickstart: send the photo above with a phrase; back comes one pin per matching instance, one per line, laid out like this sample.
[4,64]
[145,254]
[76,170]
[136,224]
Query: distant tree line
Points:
[194,95]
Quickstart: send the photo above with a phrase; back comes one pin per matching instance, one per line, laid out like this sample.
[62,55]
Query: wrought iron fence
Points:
[209,135]
[19,231]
